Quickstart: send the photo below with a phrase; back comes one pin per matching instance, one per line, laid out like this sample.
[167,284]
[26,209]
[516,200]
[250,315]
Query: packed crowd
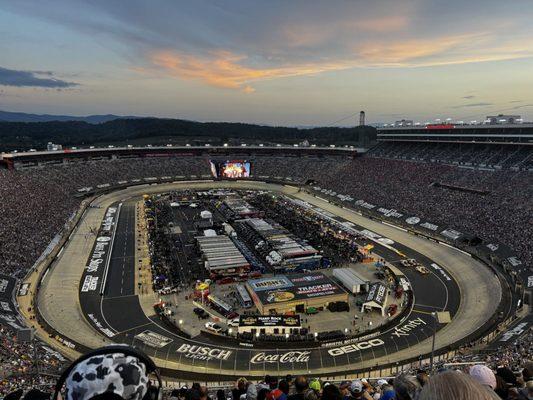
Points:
[107,376]
[504,215]
[36,203]
[467,154]
[20,363]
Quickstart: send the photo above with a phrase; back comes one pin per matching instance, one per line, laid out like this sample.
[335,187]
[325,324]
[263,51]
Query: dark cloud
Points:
[473,105]
[12,77]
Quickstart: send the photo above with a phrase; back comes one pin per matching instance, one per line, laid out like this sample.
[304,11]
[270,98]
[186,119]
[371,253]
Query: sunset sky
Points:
[275,62]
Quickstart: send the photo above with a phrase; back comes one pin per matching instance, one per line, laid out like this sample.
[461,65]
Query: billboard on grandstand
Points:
[230,169]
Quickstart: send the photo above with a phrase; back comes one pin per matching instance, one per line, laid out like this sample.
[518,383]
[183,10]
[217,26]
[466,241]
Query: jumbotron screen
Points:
[230,169]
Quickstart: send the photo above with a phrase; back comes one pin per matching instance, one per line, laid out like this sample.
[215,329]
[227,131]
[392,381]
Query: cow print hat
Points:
[115,373]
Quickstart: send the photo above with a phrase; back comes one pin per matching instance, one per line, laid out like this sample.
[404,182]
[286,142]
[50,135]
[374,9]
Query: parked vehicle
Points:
[393,308]
[201,313]
[213,327]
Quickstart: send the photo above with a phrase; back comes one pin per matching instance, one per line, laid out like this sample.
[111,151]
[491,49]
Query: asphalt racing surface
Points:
[113,309]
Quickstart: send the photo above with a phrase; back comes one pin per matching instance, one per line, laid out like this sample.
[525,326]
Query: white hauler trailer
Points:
[350,280]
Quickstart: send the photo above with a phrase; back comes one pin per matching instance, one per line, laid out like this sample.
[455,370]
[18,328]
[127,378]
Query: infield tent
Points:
[376,298]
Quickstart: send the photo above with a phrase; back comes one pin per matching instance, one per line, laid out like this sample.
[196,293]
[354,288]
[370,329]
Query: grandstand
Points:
[479,146]
[50,187]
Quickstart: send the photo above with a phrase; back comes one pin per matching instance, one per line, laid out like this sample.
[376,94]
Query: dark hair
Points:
[283,385]
[331,392]
[261,395]
[301,383]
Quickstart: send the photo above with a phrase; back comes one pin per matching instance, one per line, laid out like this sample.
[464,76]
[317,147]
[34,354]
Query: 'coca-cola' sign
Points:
[283,358]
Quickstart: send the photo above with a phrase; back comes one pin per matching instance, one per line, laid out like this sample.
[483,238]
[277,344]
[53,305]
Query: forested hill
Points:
[17,135]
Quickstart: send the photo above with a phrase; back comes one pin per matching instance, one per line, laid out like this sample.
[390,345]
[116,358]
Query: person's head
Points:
[381,382]
[195,386]
[483,375]
[221,395]
[344,388]
[283,385]
[183,392]
[203,393]
[507,375]
[112,371]
[301,383]
[406,387]
[315,385]
[331,392]
[241,383]
[356,388]
[527,372]
[422,377]
[455,385]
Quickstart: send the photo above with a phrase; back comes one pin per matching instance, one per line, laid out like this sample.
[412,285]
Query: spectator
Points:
[331,392]
[457,386]
[406,387]
[301,385]
[483,375]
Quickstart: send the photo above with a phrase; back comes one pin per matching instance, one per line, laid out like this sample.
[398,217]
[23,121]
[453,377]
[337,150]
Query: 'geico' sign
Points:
[350,348]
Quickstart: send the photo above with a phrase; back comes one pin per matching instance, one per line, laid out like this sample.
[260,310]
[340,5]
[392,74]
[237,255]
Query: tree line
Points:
[157,131]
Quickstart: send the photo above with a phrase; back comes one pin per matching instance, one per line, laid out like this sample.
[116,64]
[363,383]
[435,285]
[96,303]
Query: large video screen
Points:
[230,169]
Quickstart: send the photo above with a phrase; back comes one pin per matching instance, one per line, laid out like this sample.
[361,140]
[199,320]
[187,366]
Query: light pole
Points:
[434,315]
[442,317]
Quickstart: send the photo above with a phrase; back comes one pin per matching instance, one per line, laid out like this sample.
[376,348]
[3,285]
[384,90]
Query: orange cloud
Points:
[224,69]
[228,70]
[461,49]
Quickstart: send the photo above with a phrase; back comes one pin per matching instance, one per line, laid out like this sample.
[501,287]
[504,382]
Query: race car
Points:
[423,270]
